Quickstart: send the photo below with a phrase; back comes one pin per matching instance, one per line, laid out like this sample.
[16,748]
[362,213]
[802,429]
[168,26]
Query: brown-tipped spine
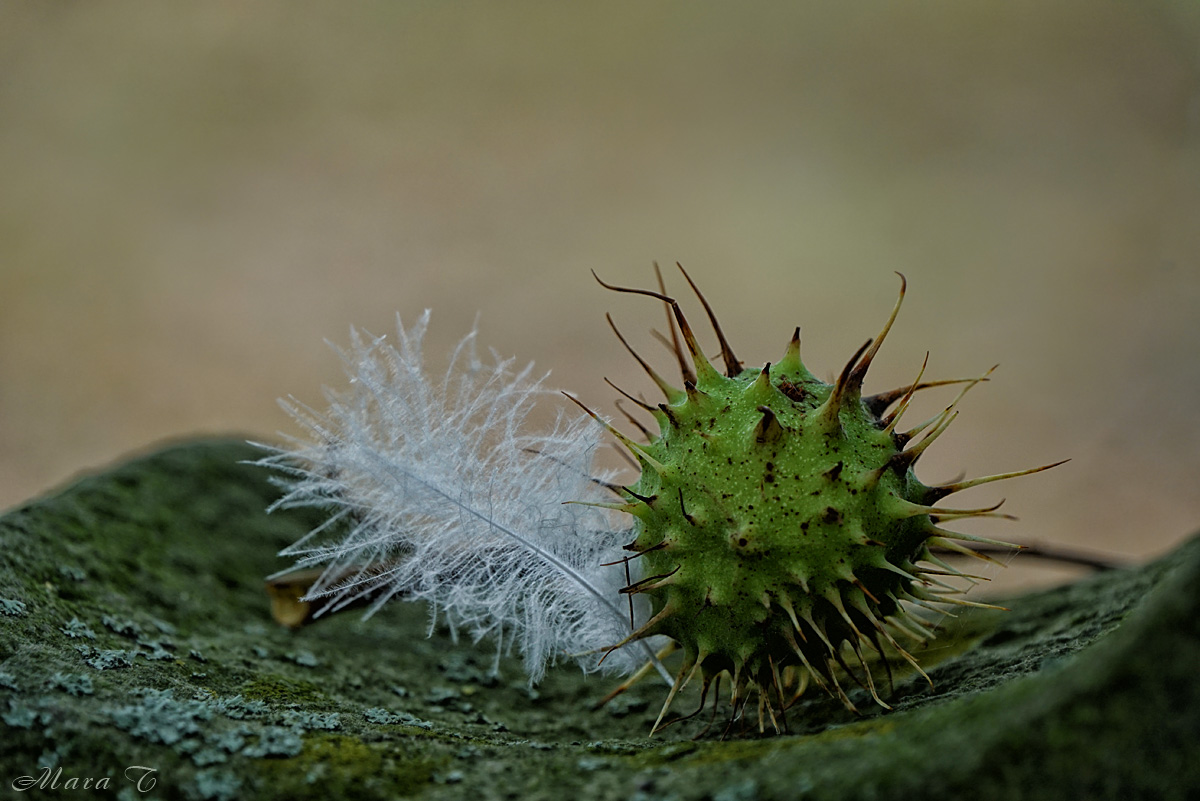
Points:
[860,371]
[936,493]
[685,369]
[647,407]
[648,584]
[790,363]
[646,499]
[909,509]
[892,419]
[705,372]
[944,420]
[638,451]
[877,404]
[843,390]
[633,421]
[673,394]
[762,390]
[732,366]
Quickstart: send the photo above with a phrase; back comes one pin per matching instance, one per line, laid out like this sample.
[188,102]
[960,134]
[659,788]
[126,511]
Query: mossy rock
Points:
[135,631]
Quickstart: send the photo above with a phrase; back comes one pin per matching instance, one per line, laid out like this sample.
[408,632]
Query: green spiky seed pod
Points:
[780,527]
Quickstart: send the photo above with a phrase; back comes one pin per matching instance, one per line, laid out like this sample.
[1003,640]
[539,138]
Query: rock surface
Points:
[135,631]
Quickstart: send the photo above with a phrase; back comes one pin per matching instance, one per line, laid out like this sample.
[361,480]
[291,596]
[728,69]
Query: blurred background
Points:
[194,197]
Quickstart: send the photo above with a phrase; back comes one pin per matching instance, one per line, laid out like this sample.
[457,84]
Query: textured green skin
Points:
[763,522]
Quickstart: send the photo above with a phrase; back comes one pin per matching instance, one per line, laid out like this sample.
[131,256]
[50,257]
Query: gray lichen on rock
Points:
[1089,687]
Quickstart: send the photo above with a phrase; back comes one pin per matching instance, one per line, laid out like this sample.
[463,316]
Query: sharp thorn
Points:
[732,366]
[910,509]
[878,403]
[860,372]
[641,585]
[943,533]
[645,630]
[641,673]
[646,499]
[633,420]
[704,368]
[680,682]
[949,545]
[673,394]
[915,451]
[936,493]
[893,418]
[638,451]
[685,369]
[791,358]
[637,401]
[843,385]
[608,485]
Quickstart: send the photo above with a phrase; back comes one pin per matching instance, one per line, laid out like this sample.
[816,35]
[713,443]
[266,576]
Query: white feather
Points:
[439,492]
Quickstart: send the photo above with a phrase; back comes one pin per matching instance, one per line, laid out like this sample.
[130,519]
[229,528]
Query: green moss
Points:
[1088,686]
[336,766]
[280,691]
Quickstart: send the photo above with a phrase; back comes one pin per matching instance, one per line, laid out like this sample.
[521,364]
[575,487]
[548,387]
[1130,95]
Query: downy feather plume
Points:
[439,492]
